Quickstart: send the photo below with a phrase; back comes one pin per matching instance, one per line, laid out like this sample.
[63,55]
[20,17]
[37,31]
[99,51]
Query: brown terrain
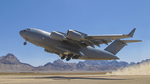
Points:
[84,78]
[12,71]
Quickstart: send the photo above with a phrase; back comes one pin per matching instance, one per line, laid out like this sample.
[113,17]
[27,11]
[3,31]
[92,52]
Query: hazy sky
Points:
[88,16]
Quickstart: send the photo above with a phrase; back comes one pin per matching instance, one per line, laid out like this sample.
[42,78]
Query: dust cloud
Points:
[137,69]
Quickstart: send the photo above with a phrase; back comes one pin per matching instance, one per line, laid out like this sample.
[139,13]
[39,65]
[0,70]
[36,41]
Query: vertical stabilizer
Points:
[115,46]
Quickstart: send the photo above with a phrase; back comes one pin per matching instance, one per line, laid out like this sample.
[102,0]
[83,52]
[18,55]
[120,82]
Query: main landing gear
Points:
[68,57]
[63,57]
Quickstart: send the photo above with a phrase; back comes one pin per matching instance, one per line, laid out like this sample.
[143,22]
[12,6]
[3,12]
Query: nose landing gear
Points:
[25,43]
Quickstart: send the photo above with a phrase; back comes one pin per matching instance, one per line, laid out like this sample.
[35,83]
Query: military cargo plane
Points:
[77,45]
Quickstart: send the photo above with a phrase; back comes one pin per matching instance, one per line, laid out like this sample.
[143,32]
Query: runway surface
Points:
[75,79]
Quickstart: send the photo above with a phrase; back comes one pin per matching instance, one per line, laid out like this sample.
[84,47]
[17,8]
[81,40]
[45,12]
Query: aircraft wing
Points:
[92,40]
[97,37]
[88,40]
[113,37]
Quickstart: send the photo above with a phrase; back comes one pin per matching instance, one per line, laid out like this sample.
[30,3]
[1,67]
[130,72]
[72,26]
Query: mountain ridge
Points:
[10,63]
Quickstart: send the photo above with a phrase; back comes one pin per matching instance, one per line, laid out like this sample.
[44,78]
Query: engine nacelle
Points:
[57,36]
[74,35]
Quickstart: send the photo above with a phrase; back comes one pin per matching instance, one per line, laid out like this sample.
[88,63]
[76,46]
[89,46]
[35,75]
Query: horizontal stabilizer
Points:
[131,41]
[117,45]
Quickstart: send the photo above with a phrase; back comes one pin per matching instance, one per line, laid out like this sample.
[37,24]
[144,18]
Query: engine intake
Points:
[57,36]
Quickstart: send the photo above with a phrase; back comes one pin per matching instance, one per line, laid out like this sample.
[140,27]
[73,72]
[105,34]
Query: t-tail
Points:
[118,44]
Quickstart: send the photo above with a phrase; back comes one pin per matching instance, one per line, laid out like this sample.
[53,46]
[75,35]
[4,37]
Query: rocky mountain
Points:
[10,63]
[9,59]
[101,65]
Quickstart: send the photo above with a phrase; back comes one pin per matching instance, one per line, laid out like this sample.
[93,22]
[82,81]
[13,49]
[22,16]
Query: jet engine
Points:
[74,35]
[57,36]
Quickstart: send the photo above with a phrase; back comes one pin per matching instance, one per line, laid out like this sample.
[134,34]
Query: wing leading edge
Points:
[113,37]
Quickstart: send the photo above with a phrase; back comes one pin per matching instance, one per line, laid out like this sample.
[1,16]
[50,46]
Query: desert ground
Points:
[71,78]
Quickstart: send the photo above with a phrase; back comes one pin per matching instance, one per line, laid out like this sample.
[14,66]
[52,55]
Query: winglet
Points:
[132,32]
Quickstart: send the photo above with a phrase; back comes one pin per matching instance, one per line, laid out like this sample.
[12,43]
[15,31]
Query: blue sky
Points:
[93,17]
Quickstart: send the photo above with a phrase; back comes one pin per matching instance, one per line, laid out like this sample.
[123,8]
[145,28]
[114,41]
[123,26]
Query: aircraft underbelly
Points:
[96,54]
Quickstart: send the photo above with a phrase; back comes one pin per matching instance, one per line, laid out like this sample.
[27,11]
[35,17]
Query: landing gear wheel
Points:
[63,57]
[25,43]
[68,58]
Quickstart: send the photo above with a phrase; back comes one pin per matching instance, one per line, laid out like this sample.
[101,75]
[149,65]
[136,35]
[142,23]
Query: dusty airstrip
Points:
[73,78]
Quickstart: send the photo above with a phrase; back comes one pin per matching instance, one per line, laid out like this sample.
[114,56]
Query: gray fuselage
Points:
[42,38]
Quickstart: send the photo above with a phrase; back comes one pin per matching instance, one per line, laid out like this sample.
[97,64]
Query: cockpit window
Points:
[28,29]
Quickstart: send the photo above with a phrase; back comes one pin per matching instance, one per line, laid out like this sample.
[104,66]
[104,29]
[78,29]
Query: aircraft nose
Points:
[22,32]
